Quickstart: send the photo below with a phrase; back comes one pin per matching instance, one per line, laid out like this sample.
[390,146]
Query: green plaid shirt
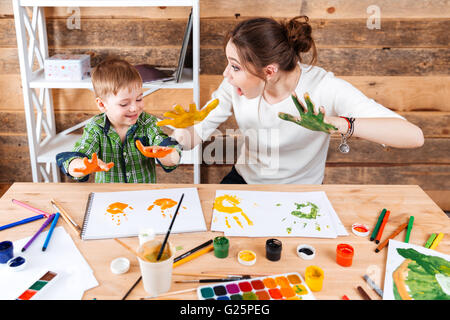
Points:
[129,164]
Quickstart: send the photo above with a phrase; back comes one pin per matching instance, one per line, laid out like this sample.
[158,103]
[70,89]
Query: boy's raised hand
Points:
[308,118]
[153,151]
[183,119]
[94,165]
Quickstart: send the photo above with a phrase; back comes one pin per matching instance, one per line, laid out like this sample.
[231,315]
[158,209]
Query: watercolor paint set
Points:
[37,287]
[288,286]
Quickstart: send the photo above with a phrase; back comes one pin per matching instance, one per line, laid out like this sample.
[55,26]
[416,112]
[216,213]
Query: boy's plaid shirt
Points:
[129,164]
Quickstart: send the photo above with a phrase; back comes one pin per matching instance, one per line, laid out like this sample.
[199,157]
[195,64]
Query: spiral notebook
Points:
[125,213]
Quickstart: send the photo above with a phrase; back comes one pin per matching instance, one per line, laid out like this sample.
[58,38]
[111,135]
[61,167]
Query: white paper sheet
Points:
[263,214]
[137,215]
[62,256]
[429,279]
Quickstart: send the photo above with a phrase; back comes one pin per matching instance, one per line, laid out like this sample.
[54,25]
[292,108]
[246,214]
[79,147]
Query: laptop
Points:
[150,73]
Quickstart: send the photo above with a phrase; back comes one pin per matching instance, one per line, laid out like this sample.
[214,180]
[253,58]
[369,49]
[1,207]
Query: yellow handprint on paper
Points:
[233,209]
[183,119]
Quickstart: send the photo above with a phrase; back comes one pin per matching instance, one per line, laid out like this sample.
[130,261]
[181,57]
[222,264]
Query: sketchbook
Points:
[126,213]
[263,214]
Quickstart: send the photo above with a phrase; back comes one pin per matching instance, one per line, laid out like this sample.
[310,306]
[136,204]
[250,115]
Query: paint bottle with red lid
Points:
[344,254]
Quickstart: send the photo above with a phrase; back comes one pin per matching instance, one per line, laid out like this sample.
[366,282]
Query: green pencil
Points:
[377,226]
[430,240]
[408,230]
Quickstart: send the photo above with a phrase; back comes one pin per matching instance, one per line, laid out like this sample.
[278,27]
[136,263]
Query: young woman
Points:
[264,77]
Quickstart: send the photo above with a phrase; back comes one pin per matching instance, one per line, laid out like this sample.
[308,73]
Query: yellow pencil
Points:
[193,256]
[437,240]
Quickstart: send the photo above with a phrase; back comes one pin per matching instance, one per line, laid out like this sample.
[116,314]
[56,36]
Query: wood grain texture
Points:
[361,203]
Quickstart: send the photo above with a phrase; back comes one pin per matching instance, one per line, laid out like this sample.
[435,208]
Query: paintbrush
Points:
[170,229]
[213,280]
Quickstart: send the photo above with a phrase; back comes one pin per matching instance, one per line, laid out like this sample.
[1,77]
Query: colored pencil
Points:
[49,219]
[27,206]
[430,240]
[140,255]
[373,285]
[75,227]
[363,293]
[437,240]
[170,229]
[18,223]
[377,226]
[396,232]
[50,231]
[383,224]
[193,256]
[184,255]
[408,230]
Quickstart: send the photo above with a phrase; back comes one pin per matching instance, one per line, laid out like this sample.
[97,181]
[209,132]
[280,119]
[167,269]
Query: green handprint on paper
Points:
[307,119]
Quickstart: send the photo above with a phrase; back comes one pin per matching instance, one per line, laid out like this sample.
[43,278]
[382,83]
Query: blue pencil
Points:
[17,223]
[50,232]
[49,219]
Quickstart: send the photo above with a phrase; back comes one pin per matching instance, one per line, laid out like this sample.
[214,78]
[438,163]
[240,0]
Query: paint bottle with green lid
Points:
[221,245]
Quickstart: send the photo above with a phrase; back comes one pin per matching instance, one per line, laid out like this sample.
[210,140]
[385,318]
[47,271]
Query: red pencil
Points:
[380,232]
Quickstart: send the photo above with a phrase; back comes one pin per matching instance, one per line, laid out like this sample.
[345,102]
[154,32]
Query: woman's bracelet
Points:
[343,147]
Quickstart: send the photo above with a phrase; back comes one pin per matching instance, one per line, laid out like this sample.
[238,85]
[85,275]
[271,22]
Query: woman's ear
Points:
[100,105]
[270,71]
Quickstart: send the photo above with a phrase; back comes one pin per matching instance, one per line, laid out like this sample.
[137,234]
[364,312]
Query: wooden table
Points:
[353,203]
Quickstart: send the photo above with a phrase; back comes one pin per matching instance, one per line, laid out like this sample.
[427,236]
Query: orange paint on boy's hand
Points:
[153,151]
[94,165]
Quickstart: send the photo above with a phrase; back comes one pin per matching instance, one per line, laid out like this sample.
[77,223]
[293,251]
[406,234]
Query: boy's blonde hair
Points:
[112,75]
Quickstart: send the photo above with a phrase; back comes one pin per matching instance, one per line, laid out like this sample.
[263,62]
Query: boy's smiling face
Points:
[124,108]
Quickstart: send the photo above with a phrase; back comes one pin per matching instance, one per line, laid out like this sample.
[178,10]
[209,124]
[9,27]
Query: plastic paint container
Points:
[17,264]
[344,254]
[120,265]
[273,249]
[314,278]
[306,252]
[360,230]
[221,246]
[247,257]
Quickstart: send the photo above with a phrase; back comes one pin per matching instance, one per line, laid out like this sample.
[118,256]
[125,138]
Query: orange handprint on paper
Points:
[153,151]
[183,119]
[94,165]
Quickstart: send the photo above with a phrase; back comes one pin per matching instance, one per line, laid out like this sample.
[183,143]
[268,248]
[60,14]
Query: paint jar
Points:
[156,275]
[221,246]
[314,278]
[273,249]
[344,254]
[6,251]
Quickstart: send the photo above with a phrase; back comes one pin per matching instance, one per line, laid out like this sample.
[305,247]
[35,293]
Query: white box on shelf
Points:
[69,67]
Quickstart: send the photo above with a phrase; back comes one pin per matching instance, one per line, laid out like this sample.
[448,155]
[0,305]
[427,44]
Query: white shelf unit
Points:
[32,46]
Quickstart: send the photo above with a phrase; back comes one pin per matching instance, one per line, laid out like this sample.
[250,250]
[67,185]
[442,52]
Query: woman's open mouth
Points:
[239,91]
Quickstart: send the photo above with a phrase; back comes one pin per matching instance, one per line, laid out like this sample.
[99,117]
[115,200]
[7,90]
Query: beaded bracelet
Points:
[344,147]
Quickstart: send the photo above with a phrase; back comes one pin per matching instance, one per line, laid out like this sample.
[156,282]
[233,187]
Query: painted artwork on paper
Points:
[416,273]
[262,213]
[124,213]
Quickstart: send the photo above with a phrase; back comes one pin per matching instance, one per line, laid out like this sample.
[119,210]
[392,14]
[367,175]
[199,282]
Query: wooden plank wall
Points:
[403,65]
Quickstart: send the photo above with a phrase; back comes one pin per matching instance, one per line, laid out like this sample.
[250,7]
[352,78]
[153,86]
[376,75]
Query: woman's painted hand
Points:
[309,118]
[183,119]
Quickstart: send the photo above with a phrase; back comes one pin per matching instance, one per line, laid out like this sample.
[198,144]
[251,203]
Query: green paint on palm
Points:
[307,119]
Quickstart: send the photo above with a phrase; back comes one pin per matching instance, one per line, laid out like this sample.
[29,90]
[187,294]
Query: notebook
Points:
[126,213]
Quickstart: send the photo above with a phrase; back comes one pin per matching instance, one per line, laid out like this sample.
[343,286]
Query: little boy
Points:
[110,137]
